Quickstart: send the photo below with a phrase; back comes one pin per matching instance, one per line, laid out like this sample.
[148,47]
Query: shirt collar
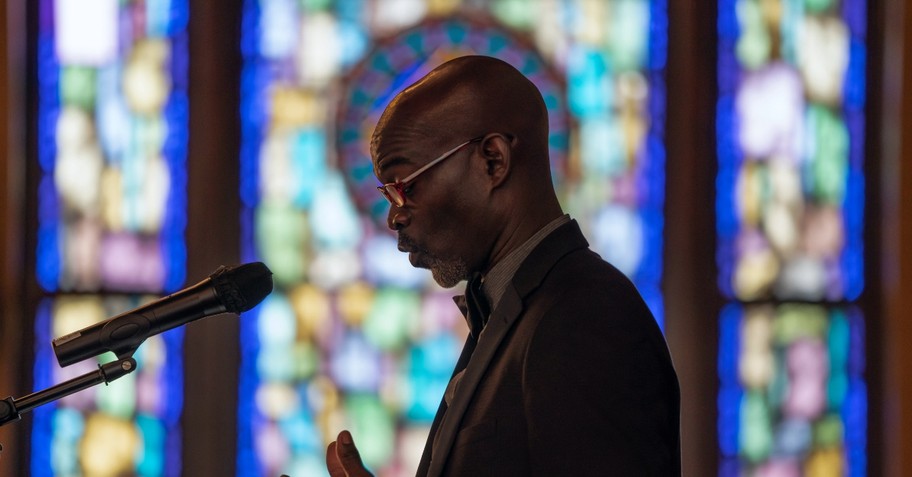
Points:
[494,284]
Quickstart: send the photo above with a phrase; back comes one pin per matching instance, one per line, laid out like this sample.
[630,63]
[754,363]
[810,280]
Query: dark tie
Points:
[477,306]
[477,310]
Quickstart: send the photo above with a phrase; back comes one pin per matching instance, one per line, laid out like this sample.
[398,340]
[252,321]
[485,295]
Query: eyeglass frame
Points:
[399,185]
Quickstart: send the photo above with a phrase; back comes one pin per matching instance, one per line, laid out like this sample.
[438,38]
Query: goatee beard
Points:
[446,272]
[449,274]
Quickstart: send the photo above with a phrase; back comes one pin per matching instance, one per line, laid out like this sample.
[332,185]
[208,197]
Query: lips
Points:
[404,248]
[407,245]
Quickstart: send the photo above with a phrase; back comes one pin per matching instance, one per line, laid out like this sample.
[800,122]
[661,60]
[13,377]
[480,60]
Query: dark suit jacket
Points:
[571,376]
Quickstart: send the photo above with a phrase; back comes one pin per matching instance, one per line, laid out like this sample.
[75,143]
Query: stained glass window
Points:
[790,200]
[353,336]
[112,122]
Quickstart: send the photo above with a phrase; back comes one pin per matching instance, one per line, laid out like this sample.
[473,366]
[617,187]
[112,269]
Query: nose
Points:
[396,218]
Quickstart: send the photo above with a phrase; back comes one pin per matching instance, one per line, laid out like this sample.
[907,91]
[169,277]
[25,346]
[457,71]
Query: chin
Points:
[446,272]
[448,277]
[445,282]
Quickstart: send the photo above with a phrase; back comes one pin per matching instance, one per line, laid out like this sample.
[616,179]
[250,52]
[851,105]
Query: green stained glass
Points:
[754,45]
[756,434]
[283,240]
[779,385]
[306,359]
[519,14]
[819,6]
[371,418]
[799,321]
[828,432]
[628,39]
[276,363]
[392,318]
[78,86]
[829,161]
[119,398]
[316,5]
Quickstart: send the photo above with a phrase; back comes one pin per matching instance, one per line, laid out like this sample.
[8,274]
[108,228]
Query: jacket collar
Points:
[565,239]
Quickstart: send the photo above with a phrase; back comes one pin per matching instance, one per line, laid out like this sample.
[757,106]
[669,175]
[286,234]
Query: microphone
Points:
[231,290]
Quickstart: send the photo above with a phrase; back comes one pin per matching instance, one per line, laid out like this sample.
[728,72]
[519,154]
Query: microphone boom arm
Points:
[232,290]
[12,409]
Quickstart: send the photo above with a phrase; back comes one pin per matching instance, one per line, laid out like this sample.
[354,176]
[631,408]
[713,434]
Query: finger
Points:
[349,457]
[332,462]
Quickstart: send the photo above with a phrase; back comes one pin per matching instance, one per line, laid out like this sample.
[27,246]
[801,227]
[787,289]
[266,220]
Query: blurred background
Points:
[742,161]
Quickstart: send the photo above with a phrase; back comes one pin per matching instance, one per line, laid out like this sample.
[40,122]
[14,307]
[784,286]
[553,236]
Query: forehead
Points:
[415,125]
[406,143]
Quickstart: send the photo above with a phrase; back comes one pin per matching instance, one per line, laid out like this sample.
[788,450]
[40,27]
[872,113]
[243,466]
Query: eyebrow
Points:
[387,163]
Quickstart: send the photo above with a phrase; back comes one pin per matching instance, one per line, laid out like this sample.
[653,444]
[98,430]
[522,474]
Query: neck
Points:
[519,229]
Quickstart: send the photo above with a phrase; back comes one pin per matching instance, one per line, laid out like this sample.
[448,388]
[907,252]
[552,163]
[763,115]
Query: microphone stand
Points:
[12,409]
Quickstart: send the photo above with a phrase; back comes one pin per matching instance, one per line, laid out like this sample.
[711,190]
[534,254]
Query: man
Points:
[565,371]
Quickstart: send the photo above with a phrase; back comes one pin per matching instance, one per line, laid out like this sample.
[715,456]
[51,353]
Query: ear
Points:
[497,151]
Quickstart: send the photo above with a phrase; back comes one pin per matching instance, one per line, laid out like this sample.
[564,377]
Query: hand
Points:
[343,459]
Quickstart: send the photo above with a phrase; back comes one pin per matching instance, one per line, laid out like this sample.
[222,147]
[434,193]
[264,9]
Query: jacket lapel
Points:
[530,274]
[498,324]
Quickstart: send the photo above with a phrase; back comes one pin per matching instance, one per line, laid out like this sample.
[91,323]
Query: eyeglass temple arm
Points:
[435,161]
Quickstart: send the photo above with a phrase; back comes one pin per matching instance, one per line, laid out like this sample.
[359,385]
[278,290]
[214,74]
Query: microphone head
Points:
[244,287]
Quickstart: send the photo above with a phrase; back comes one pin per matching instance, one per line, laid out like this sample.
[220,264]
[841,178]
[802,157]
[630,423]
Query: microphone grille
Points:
[242,288]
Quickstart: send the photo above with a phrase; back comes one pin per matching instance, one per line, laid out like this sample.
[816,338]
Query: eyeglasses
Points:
[394,192]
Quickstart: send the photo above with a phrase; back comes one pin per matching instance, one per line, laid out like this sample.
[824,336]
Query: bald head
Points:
[466,214]
[469,97]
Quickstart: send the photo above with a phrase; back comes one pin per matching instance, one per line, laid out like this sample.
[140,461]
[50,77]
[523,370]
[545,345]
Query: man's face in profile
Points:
[433,224]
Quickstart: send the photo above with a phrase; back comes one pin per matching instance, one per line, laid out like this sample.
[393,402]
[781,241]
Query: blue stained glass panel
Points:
[790,202]
[112,128]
